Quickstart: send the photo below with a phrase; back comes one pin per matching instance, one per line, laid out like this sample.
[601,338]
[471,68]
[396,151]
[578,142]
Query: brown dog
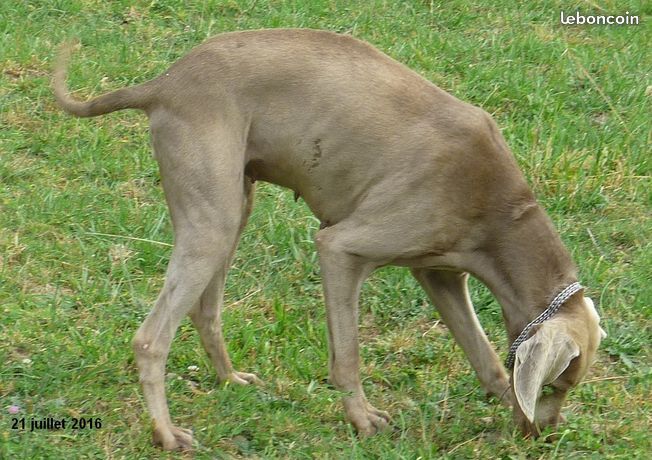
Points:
[397,170]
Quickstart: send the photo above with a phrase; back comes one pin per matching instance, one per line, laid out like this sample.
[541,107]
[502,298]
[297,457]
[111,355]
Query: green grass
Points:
[574,104]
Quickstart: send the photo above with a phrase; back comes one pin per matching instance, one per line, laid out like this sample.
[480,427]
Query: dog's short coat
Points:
[398,172]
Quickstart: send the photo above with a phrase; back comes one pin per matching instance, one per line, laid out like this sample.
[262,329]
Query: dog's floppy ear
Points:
[591,307]
[539,361]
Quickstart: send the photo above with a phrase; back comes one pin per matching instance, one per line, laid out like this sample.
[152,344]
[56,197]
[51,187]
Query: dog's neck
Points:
[525,265]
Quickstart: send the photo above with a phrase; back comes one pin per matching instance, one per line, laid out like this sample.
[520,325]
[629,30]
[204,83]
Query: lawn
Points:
[85,238]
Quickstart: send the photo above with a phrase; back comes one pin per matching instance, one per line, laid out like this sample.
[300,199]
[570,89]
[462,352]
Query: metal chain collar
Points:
[554,306]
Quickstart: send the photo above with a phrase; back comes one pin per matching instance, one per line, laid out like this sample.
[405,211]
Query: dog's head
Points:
[553,360]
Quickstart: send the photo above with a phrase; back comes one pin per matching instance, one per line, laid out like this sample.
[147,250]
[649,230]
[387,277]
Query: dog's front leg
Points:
[342,277]
[449,293]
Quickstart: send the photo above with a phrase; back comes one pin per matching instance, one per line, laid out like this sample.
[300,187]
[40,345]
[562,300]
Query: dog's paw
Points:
[172,438]
[503,393]
[243,378]
[366,419]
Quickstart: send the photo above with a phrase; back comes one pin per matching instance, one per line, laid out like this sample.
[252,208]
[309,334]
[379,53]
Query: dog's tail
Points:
[135,97]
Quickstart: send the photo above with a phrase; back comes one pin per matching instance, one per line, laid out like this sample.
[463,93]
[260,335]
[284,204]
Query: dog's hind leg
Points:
[202,172]
[449,293]
[206,315]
